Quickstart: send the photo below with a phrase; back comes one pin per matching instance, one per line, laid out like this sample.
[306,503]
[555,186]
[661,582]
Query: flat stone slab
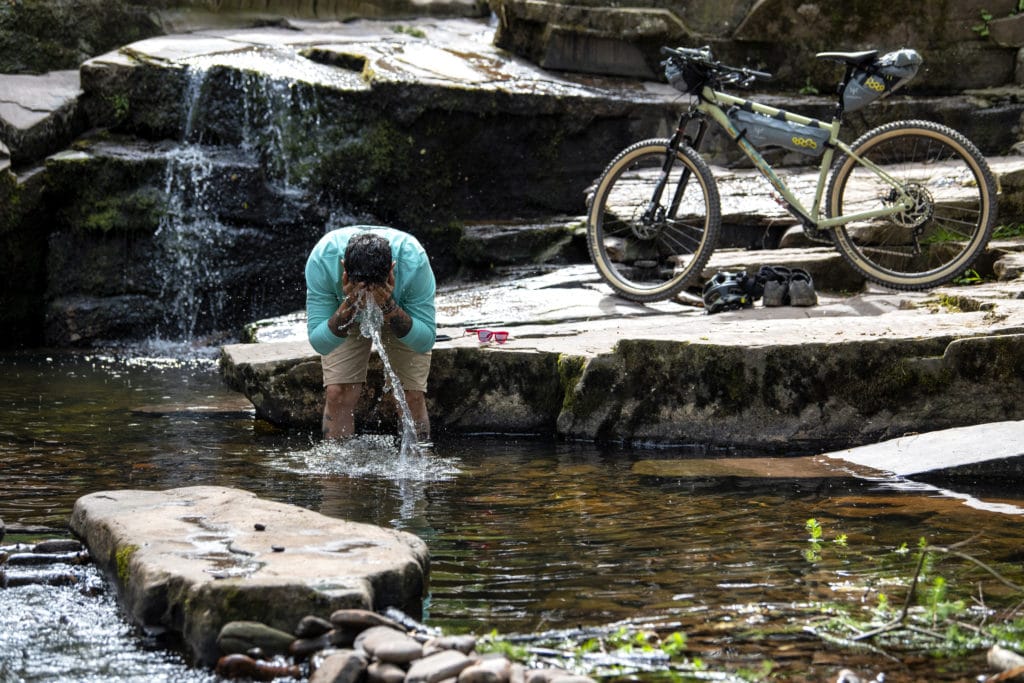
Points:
[192,559]
[949,450]
[994,449]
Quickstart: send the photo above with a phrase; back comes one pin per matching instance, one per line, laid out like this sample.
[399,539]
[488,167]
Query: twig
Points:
[970,558]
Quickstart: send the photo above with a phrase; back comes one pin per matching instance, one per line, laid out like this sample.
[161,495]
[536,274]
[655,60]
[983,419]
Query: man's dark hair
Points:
[368,258]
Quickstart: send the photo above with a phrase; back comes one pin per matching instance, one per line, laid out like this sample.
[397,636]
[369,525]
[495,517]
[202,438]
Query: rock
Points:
[389,645]
[187,571]
[302,648]
[487,670]
[39,114]
[437,667]
[383,672]
[243,666]
[343,667]
[241,636]
[54,545]
[311,625]
[463,643]
[1007,31]
[546,674]
[361,619]
[624,39]
[1009,266]
[3,529]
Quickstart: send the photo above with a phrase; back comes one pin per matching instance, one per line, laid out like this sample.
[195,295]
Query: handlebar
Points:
[702,57]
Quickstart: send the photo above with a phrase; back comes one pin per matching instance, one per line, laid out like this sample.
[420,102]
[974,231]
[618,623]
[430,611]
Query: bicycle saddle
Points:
[852,58]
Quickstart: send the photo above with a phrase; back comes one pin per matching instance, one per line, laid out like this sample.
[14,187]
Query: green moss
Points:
[130,211]
[123,557]
[41,35]
[590,395]
[570,373]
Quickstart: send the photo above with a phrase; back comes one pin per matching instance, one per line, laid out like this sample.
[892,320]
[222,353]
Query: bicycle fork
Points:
[654,213]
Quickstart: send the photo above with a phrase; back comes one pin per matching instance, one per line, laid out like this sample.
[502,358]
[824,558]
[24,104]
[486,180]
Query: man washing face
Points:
[347,269]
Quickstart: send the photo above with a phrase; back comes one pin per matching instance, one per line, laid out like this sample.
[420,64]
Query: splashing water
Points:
[366,456]
[370,327]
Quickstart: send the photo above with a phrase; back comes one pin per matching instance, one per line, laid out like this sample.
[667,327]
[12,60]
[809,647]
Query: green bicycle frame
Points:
[711,103]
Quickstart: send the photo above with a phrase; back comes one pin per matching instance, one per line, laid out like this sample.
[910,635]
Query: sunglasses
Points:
[499,336]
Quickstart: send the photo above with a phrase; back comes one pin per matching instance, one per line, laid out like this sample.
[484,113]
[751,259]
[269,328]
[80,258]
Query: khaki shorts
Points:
[347,364]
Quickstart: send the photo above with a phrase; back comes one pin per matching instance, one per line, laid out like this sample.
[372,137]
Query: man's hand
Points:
[382,293]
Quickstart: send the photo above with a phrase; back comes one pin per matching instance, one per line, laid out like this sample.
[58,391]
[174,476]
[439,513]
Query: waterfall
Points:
[246,140]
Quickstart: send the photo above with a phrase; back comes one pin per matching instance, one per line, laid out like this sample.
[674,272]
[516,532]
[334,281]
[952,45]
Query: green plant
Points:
[808,89]
[968,277]
[120,104]
[409,30]
[813,552]
[982,28]
[1010,230]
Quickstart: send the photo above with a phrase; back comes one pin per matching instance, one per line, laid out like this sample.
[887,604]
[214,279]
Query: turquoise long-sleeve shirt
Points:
[414,287]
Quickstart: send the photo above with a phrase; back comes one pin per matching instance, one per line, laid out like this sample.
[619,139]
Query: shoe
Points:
[801,289]
[776,285]
[776,293]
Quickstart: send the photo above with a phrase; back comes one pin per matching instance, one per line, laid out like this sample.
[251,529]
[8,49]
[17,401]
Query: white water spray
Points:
[370,326]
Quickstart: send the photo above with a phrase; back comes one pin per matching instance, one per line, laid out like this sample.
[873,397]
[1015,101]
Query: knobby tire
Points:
[954,212]
[653,257]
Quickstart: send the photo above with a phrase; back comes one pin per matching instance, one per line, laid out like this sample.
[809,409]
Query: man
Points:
[346,269]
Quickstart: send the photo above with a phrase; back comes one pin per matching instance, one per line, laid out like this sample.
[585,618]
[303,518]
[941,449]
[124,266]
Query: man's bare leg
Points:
[417,402]
[340,409]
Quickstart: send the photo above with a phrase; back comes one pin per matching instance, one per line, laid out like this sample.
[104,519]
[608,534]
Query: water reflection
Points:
[524,535]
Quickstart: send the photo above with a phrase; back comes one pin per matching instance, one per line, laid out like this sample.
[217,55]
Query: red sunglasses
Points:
[500,336]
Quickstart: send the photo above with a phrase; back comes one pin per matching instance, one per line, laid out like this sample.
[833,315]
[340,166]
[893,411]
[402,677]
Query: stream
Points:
[525,535]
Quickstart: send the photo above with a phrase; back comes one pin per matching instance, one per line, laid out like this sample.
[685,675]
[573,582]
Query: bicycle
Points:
[909,204]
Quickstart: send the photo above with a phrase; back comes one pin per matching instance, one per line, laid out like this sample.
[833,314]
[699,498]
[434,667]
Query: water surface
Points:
[524,534]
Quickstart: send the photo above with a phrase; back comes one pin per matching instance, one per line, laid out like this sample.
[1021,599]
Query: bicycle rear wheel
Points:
[954,205]
[648,248]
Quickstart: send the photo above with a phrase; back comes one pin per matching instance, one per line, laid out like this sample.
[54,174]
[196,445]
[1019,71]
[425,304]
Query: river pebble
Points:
[487,670]
[345,666]
[389,645]
[244,666]
[384,672]
[312,626]
[359,644]
[238,637]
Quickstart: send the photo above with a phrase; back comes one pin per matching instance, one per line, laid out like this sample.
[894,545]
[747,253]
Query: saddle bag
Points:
[885,75]
[764,131]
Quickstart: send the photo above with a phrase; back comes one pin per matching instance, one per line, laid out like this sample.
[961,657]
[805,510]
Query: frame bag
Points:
[764,131]
[886,74]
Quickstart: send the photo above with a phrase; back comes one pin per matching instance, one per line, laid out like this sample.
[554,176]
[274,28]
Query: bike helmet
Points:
[728,292]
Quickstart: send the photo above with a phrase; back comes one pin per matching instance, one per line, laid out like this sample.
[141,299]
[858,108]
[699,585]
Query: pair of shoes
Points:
[776,285]
[786,287]
[801,289]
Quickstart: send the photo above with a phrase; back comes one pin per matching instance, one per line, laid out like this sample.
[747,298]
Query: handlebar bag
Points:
[764,131]
[685,76]
[885,75]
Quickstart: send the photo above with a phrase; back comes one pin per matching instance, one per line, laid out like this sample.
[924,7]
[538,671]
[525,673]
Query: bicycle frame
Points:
[711,104]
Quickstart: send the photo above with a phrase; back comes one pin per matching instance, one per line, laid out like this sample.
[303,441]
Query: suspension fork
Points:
[678,138]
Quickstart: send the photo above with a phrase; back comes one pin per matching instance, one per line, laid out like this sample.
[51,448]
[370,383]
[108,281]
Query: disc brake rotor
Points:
[922,209]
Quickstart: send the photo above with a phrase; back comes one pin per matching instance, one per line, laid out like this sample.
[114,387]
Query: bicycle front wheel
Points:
[648,239]
[952,213]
